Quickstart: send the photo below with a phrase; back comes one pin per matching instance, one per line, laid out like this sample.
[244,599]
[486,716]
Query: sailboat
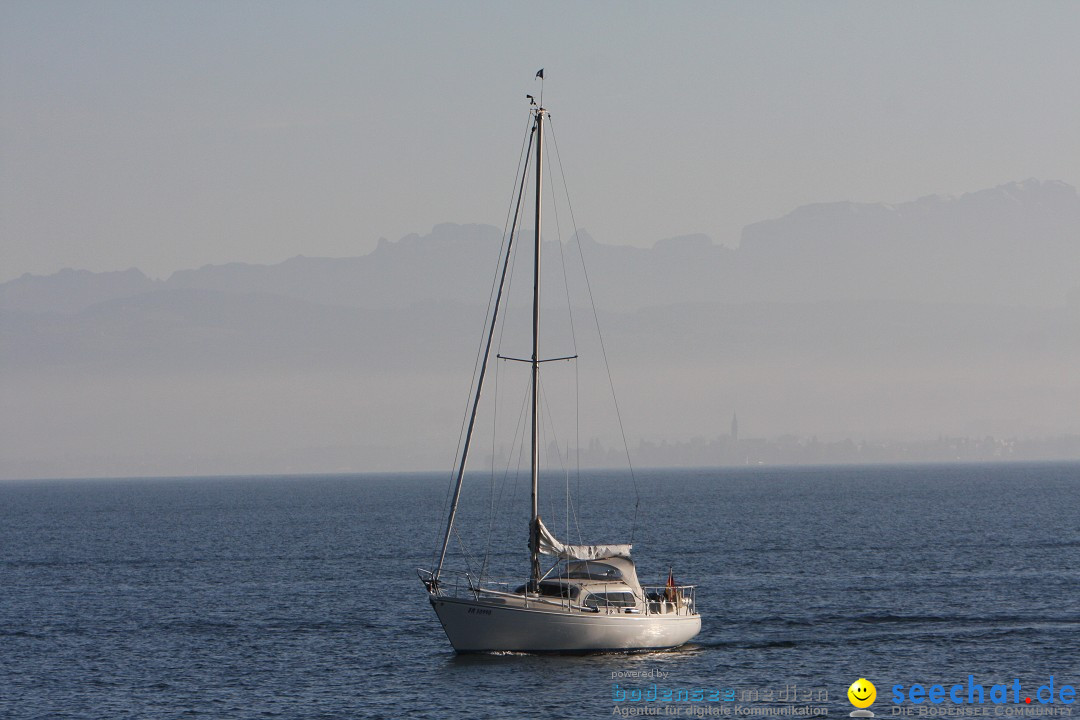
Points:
[590,600]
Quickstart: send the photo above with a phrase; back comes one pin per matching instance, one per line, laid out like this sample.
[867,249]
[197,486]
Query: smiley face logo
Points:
[862,693]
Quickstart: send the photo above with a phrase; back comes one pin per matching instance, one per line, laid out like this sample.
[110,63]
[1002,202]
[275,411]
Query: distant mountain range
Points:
[1017,244]
[955,316]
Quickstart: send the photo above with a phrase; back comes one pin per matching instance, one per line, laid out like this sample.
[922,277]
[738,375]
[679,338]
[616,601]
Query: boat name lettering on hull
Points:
[479,611]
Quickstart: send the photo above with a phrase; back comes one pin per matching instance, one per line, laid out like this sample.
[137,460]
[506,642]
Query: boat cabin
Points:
[604,585]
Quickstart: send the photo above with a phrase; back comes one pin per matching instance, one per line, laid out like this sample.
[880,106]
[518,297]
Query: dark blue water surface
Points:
[297,597]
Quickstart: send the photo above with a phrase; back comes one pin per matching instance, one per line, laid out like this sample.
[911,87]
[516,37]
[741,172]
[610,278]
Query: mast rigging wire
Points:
[485,355]
[523,155]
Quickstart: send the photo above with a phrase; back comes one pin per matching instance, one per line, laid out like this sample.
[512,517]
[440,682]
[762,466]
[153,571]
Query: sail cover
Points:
[548,544]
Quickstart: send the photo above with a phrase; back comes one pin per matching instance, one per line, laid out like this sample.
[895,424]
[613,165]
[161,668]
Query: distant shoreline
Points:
[441,475]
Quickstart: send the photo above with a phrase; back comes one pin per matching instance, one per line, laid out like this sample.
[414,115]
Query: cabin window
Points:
[551,589]
[592,571]
[558,590]
[611,599]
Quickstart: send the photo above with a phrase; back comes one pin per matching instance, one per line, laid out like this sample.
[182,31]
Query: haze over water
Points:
[257,238]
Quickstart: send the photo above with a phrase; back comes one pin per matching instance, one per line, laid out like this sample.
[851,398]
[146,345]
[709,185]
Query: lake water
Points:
[298,598]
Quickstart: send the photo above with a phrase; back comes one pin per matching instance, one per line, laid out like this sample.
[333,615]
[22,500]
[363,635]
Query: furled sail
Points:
[548,544]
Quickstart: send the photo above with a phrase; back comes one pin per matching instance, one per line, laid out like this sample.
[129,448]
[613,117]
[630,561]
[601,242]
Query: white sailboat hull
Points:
[479,626]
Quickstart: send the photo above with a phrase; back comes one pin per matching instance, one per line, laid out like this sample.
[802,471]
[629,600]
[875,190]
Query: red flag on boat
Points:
[670,586]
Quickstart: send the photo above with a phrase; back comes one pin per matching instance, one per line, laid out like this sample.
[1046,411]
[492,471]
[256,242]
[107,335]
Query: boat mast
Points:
[534,525]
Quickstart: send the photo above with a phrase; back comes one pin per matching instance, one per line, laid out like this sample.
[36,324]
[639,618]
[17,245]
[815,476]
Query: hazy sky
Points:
[169,135]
